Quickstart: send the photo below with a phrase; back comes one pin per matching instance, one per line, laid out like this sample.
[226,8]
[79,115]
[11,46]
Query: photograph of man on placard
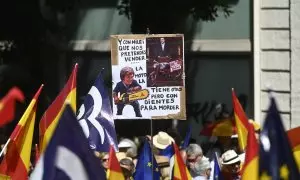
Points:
[159,71]
[162,49]
[165,61]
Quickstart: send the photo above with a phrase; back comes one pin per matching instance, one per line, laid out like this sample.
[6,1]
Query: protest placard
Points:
[148,76]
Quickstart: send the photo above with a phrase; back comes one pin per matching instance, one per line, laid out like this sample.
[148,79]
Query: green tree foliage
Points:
[161,16]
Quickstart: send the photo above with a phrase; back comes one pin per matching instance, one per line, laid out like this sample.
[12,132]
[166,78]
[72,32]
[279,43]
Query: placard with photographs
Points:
[148,76]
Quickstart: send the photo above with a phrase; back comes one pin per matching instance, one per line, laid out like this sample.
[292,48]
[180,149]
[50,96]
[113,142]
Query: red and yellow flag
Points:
[16,162]
[250,166]
[293,135]
[241,122]
[50,118]
[114,171]
[225,127]
[7,105]
[180,171]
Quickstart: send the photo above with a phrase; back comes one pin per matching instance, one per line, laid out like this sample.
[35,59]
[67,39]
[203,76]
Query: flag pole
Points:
[151,131]
[3,149]
[151,121]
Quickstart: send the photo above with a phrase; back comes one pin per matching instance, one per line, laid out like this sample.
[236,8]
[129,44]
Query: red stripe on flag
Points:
[250,167]
[16,161]
[239,111]
[7,105]
[58,103]
[113,163]
[294,138]
[114,170]
[241,121]
[17,129]
[184,174]
[12,164]
[225,127]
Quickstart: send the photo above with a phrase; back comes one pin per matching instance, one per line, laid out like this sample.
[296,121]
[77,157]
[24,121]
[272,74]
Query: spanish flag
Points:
[114,171]
[224,127]
[180,171]
[241,121]
[16,162]
[250,167]
[293,135]
[7,105]
[50,118]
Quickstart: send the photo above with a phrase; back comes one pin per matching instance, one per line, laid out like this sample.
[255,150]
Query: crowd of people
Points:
[200,163]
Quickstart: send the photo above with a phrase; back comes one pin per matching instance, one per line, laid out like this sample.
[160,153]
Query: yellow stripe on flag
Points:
[114,171]
[241,131]
[4,177]
[71,98]
[25,152]
[241,121]
[296,148]
[181,172]
[16,161]
[114,175]
[27,113]
[251,170]
[297,158]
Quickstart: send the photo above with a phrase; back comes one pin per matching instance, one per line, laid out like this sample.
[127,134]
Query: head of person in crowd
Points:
[231,163]
[225,142]
[173,132]
[97,154]
[202,169]
[128,167]
[126,173]
[161,141]
[234,145]
[221,111]
[104,159]
[194,154]
[256,127]
[129,148]
[121,155]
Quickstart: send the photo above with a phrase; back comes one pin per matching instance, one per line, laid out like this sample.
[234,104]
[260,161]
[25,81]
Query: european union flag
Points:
[145,164]
[96,118]
[276,158]
[217,171]
[187,138]
[68,155]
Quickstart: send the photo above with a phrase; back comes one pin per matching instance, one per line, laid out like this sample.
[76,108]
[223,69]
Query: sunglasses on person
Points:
[192,160]
[234,164]
[104,160]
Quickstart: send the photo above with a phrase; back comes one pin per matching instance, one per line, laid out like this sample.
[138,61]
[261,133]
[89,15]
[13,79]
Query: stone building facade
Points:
[276,46]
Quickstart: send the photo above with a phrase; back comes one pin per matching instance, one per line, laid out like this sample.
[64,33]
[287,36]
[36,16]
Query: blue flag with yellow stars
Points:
[276,158]
[145,164]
